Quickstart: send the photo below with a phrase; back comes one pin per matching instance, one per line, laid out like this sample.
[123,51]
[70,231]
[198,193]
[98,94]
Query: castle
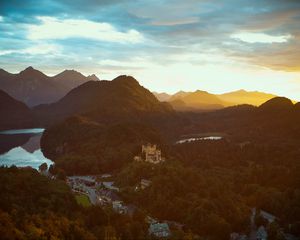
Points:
[151,154]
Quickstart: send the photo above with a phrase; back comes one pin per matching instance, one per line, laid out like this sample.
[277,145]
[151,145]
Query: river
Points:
[21,147]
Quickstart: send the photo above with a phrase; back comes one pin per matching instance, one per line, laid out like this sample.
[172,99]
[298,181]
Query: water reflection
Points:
[22,148]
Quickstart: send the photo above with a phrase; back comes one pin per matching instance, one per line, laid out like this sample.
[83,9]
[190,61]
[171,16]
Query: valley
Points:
[227,157]
[149,120]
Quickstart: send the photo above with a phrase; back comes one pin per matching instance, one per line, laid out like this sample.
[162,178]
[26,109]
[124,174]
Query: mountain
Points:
[198,100]
[244,97]
[178,95]
[119,99]
[180,105]
[105,115]
[201,100]
[163,97]
[31,86]
[93,77]
[71,78]
[34,87]
[277,104]
[14,114]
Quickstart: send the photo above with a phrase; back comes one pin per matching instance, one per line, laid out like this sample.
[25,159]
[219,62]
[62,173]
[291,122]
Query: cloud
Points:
[173,22]
[165,13]
[272,19]
[131,64]
[53,28]
[1,19]
[39,49]
[260,37]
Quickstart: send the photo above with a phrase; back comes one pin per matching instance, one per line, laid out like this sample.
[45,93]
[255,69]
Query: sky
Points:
[167,45]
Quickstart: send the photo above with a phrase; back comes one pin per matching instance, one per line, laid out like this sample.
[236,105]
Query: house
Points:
[107,196]
[150,220]
[261,233]
[145,183]
[119,207]
[159,230]
[150,154]
[268,216]
[110,186]
[106,175]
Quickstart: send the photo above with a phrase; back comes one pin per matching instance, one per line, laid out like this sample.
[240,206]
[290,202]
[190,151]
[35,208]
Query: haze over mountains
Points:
[202,100]
[34,87]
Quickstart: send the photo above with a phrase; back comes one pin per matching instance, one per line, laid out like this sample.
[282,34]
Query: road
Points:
[252,235]
[91,194]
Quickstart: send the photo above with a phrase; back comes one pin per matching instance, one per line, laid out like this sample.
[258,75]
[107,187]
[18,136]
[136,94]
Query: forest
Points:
[208,186]
[211,187]
[35,207]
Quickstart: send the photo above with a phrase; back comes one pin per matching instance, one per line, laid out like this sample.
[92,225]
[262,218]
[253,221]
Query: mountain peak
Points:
[277,103]
[68,72]
[200,92]
[93,77]
[30,68]
[241,91]
[31,72]
[126,79]
[4,73]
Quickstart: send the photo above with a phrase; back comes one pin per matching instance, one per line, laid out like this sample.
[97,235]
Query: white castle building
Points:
[151,154]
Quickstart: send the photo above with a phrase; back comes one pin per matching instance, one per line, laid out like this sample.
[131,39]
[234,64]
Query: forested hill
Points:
[119,99]
[85,144]
[34,207]
[80,146]
[277,121]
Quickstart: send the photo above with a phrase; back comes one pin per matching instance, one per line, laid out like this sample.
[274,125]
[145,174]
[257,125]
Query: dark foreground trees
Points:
[35,207]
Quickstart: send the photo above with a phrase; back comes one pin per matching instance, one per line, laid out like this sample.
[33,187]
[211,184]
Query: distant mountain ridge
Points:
[246,97]
[72,78]
[34,87]
[202,100]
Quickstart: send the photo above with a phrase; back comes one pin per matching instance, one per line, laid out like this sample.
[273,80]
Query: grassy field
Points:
[83,200]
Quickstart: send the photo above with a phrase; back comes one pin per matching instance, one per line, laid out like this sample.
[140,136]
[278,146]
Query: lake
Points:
[21,147]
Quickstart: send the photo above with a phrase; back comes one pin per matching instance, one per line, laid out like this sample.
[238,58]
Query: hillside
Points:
[104,123]
[81,146]
[14,114]
[117,100]
[274,121]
